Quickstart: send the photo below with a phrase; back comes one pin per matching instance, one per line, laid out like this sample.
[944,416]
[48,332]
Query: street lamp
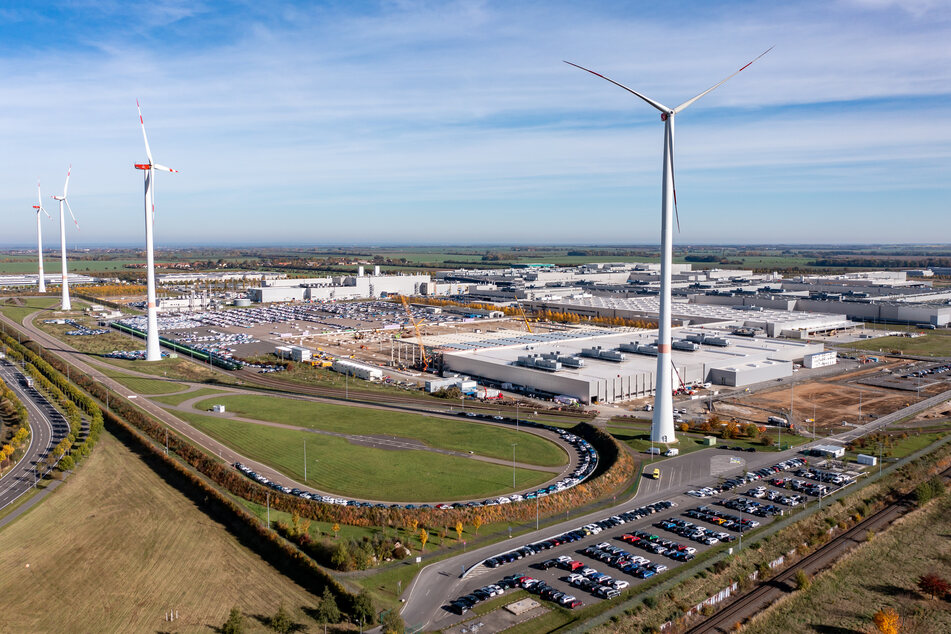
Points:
[513,465]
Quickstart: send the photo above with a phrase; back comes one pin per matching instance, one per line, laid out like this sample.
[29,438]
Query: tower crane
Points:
[419,335]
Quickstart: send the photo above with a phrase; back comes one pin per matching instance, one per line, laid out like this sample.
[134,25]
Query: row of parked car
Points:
[465,603]
[759,509]
[725,520]
[659,546]
[787,499]
[695,532]
[579,533]
[832,477]
[766,472]
[938,369]
[810,488]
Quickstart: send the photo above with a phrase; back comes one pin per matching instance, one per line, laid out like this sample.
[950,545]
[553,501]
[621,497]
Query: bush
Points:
[234,624]
[650,602]
[281,621]
[802,580]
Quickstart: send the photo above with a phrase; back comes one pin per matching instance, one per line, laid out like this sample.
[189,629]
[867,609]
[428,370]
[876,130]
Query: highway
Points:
[47,427]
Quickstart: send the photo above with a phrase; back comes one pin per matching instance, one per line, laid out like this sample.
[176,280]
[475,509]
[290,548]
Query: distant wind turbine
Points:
[152,351]
[39,235]
[62,235]
[662,426]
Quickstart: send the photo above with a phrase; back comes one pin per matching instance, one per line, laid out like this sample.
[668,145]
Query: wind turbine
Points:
[62,235]
[152,352]
[662,426]
[39,235]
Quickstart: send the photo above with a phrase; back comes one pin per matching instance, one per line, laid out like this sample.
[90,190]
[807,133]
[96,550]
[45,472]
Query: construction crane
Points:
[524,317]
[419,335]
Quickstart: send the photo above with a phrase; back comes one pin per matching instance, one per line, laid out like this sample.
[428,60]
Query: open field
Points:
[17,309]
[338,466]
[92,344]
[931,344]
[117,556]
[180,369]
[177,399]
[457,435]
[141,385]
[880,573]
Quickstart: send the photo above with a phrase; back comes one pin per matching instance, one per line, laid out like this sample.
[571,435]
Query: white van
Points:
[654,451]
[673,451]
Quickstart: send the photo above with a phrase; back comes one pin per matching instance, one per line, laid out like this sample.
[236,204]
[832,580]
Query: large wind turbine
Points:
[62,236]
[662,427]
[39,235]
[152,352]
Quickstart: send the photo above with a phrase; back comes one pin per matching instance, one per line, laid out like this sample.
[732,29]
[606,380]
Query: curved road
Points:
[47,428]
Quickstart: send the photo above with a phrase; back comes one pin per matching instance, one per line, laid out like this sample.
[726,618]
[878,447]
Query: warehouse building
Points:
[610,365]
[338,287]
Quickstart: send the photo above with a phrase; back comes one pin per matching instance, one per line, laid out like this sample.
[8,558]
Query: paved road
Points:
[47,426]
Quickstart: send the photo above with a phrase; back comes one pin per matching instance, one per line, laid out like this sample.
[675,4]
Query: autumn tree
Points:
[336,528]
[477,523]
[459,530]
[392,623]
[887,621]
[423,538]
[934,585]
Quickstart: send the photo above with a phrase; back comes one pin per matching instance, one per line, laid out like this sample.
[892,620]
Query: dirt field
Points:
[115,547]
[834,400]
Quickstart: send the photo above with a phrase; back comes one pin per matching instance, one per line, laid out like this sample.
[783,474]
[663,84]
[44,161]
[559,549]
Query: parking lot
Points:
[600,560]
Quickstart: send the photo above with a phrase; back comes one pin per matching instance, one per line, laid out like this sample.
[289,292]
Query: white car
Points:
[696,494]
[620,584]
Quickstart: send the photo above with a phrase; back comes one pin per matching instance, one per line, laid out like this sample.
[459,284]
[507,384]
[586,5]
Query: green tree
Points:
[327,611]
[235,622]
[341,558]
[67,463]
[392,623]
[281,621]
[363,608]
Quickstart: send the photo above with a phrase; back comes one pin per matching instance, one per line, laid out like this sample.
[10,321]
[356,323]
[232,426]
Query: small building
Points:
[709,441]
[819,359]
[866,459]
[829,451]
[294,353]
[359,370]
[218,409]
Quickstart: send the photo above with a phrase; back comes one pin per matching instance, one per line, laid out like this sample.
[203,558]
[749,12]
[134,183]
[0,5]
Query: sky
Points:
[456,122]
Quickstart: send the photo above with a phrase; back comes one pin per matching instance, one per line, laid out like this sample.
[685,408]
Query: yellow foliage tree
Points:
[477,522]
[887,621]
[423,538]
[459,530]
[336,528]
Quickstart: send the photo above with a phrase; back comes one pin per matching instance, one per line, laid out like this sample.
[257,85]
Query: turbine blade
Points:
[39,194]
[148,152]
[43,209]
[76,222]
[66,186]
[687,103]
[673,180]
[656,104]
[163,168]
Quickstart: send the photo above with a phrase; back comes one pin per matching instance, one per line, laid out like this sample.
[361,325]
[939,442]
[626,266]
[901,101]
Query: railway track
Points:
[782,583]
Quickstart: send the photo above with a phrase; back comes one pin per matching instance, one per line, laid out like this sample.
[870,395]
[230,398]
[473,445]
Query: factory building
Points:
[357,369]
[610,365]
[819,359]
[338,287]
[294,353]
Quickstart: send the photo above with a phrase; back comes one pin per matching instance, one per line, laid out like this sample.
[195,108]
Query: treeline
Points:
[110,290]
[883,262]
[16,427]
[71,399]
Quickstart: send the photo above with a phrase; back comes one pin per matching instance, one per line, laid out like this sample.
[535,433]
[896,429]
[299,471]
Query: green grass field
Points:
[457,435]
[338,466]
[117,557]
[29,305]
[178,399]
[180,369]
[92,344]
[931,344]
[141,385]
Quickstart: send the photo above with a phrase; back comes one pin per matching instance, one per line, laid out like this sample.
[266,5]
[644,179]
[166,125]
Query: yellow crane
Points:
[419,335]
[524,317]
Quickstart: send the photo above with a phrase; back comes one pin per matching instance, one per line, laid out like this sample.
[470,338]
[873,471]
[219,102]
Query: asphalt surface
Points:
[47,427]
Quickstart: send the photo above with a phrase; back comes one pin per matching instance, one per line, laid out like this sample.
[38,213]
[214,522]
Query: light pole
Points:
[516,415]
[513,465]
[305,460]
[268,494]
[536,512]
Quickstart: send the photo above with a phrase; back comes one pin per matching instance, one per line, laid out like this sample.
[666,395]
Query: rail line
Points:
[770,590]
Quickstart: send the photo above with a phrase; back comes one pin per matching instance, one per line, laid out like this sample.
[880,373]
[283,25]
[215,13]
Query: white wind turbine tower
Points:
[662,427]
[152,351]
[62,236]
[39,235]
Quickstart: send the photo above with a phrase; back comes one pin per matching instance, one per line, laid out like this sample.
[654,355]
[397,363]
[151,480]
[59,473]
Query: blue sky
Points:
[457,122]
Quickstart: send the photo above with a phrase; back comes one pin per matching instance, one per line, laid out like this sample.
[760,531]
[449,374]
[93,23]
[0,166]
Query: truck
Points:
[28,381]
[778,420]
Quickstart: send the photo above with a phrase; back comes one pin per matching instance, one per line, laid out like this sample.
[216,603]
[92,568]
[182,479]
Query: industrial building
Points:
[819,359]
[339,287]
[357,369]
[609,365]
[53,279]
[294,353]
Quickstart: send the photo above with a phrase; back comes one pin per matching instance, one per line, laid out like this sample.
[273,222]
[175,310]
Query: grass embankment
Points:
[18,310]
[178,399]
[931,344]
[338,466]
[118,556]
[178,368]
[456,435]
[142,385]
[90,344]
[637,437]
[882,572]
